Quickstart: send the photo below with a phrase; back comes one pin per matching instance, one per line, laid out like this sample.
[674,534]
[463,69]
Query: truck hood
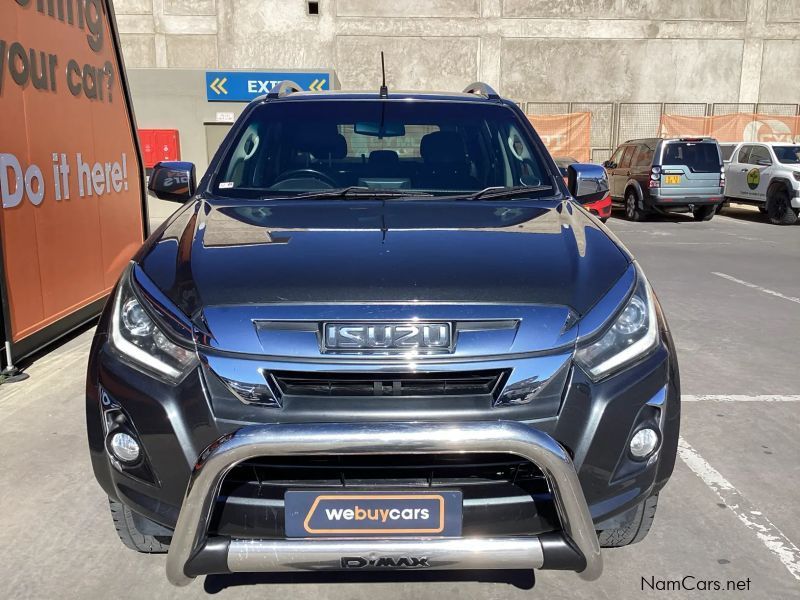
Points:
[374,251]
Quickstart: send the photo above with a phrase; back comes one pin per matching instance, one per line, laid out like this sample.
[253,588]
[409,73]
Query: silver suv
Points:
[667,175]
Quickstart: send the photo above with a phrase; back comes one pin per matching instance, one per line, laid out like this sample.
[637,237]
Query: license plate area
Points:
[310,514]
[672,179]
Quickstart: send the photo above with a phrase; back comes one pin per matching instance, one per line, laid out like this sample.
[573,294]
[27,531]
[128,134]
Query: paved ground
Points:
[731,289]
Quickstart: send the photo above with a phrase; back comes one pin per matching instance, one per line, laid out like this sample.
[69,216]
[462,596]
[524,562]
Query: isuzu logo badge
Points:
[387,337]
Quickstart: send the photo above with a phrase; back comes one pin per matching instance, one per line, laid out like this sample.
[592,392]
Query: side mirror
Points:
[587,182]
[764,162]
[173,181]
[609,165]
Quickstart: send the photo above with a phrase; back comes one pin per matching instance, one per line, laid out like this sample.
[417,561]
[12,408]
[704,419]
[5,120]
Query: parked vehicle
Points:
[380,334]
[766,175]
[667,175]
[602,208]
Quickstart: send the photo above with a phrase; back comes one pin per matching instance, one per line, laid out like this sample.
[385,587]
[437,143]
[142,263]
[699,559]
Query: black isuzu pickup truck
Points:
[382,333]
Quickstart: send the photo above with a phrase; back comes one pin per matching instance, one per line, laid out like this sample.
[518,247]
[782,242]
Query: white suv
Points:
[766,175]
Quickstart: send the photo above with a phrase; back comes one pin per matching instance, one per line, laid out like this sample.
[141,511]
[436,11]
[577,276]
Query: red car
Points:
[602,208]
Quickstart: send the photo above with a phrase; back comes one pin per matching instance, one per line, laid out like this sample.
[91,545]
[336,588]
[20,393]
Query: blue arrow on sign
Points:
[243,86]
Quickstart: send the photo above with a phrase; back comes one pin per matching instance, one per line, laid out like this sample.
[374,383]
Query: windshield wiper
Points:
[360,191]
[508,192]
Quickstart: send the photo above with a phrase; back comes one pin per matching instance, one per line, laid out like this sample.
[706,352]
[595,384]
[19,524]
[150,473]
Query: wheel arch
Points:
[777,183]
[634,185]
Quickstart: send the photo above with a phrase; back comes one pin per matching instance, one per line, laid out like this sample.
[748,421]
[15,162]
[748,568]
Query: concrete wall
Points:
[532,50]
[176,99]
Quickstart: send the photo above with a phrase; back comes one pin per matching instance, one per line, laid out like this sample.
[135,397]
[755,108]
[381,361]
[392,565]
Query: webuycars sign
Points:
[70,173]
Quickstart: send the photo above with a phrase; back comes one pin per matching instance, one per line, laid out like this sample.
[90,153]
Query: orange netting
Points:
[566,134]
[736,127]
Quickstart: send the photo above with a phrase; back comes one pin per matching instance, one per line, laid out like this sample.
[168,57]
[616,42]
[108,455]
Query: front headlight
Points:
[632,334]
[135,335]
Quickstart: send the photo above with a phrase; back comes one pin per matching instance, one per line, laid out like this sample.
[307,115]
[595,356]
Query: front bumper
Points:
[796,197]
[193,553]
[594,421]
[524,525]
[600,209]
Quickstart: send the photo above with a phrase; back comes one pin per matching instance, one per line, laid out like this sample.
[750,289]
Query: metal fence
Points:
[730,108]
[764,108]
[616,122]
[783,110]
[600,137]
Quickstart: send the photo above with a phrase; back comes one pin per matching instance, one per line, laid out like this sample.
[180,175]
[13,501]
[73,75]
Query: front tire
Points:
[632,210]
[704,213]
[779,208]
[130,534]
[634,526]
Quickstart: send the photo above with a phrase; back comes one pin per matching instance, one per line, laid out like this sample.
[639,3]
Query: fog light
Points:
[124,447]
[644,443]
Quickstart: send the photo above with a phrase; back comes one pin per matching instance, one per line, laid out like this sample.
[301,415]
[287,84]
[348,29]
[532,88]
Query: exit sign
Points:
[244,86]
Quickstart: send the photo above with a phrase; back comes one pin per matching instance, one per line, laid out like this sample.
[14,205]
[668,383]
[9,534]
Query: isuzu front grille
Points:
[469,383]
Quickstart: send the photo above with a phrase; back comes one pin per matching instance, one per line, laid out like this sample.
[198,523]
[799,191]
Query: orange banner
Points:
[565,135]
[736,127]
[70,182]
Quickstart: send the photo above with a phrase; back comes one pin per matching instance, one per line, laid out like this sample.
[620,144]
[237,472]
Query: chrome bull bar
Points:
[192,553]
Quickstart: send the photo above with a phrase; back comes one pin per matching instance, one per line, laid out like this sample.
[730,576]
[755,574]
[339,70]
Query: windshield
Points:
[788,155]
[440,148]
[700,157]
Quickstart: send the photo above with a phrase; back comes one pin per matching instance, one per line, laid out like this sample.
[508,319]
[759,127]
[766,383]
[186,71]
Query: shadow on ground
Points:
[524,580]
[619,213]
[19,373]
[750,214]
[737,212]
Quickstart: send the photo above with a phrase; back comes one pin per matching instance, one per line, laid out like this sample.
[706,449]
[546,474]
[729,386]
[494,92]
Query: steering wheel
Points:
[310,173]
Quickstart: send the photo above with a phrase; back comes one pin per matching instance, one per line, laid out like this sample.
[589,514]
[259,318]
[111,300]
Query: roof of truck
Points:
[774,144]
[474,92]
[393,95]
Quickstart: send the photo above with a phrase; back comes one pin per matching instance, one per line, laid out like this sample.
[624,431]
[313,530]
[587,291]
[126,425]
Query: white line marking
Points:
[740,398]
[757,287]
[691,243]
[772,537]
